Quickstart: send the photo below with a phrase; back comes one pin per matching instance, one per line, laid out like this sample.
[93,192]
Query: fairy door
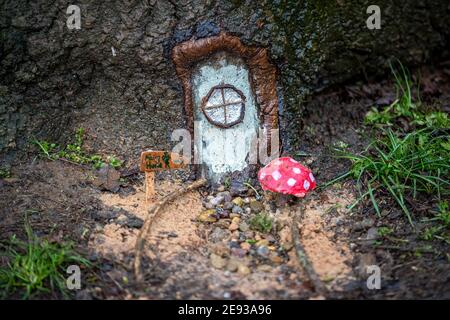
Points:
[225,114]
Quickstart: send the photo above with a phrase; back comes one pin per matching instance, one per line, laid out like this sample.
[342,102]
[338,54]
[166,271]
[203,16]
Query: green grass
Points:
[74,152]
[402,164]
[5,173]
[36,266]
[261,222]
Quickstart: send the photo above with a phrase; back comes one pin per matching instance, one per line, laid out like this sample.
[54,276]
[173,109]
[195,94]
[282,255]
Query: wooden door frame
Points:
[262,74]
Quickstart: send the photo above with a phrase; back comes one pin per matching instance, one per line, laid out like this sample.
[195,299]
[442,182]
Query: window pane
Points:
[216,115]
[233,112]
[215,99]
[231,95]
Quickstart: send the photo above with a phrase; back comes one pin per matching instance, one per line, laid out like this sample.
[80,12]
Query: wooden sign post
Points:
[152,161]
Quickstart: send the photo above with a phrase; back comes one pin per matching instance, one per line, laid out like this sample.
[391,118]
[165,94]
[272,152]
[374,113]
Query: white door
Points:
[225,114]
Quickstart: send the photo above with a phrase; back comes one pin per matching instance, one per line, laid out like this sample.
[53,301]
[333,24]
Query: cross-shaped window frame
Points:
[223,105]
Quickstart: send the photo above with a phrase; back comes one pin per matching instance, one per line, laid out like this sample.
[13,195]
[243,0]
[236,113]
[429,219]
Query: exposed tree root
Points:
[319,287]
[152,214]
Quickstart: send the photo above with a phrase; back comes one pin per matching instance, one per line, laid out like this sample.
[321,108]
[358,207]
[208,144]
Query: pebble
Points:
[238,252]
[218,235]
[264,268]
[225,195]
[249,234]
[276,259]
[134,222]
[233,226]
[228,205]
[105,215]
[220,249]
[207,216]
[234,244]
[243,270]
[262,242]
[237,210]
[208,205]
[243,226]
[246,246]
[233,215]
[217,261]
[237,188]
[232,265]
[217,200]
[238,201]
[372,234]
[263,251]
[256,206]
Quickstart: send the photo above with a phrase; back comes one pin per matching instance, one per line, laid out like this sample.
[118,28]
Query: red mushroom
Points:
[286,175]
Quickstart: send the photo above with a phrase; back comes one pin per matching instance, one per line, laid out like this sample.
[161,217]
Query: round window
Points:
[224,106]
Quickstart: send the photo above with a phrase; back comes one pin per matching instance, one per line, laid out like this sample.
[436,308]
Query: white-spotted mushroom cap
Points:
[288,176]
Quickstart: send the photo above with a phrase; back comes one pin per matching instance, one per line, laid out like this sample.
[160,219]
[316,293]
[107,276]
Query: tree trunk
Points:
[115,77]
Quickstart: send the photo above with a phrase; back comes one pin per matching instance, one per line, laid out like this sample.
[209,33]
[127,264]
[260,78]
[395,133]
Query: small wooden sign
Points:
[160,160]
[152,161]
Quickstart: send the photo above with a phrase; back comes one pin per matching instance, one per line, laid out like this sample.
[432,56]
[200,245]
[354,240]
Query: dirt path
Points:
[184,248]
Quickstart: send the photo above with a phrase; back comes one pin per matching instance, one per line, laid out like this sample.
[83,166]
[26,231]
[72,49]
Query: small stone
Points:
[256,206]
[228,205]
[207,216]
[222,214]
[243,226]
[121,220]
[217,261]
[237,210]
[134,222]
[264,268]
[243,270]
[238,252]
[246,246]
[104,215]
[238,188]
[276,259]
[249,234]
[221,188]
[208,205]
[234,244]
[107,179]
[368,222]
[220,249]
[234,215]
[233,226]
[236,220]
[232,265]
[262,242]
[248,210]
[217,200]
[263,251]
[238,201]
[219,235]
[225,195]
[372,234]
